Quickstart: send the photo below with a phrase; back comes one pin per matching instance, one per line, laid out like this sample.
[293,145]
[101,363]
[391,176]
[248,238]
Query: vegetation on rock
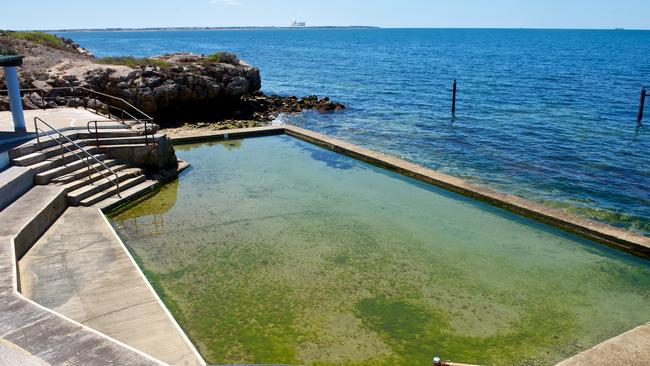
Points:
[40,38]
[224,58]
[133,62]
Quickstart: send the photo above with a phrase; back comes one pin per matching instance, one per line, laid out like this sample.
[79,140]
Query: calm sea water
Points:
[549,115]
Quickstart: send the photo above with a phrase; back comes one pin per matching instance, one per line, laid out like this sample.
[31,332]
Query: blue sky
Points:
[48,14]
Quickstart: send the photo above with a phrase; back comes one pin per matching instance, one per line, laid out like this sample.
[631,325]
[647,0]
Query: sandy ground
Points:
[79,68]
[44,61]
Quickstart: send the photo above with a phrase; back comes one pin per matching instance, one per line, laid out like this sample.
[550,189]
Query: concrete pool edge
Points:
[153,292]
[621,239]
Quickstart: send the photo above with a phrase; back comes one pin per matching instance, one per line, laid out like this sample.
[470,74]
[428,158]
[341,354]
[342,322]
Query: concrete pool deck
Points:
[34,334]
[629,349]
[60,118]
[81,269]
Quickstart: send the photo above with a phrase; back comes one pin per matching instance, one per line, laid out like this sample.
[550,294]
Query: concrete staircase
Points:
[84,169]
[35,192]
[30,215]
[42,336]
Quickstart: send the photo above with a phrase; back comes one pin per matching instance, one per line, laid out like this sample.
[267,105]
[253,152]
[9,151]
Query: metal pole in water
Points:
[453,99]
[644,93]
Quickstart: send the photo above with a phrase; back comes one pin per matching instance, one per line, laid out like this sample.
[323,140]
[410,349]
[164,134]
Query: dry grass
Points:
[133,61]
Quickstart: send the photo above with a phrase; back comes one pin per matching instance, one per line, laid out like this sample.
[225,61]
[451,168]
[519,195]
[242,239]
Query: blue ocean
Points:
[548,115]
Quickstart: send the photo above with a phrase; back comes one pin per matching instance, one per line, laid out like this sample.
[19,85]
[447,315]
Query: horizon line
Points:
[253,27]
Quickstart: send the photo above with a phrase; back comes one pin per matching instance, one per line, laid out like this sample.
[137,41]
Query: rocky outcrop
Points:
[174,89]
[261,107]
[182,90]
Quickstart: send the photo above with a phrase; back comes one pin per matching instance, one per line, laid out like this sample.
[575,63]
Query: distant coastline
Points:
[203,28]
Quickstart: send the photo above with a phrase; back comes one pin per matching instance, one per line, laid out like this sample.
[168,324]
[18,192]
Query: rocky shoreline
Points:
[175,89]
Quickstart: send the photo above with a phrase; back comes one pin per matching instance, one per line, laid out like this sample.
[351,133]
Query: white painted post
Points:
[16,103]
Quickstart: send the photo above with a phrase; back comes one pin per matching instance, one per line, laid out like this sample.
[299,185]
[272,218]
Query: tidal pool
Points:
[273,250]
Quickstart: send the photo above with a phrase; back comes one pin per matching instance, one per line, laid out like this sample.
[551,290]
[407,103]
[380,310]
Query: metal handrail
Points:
[145,118]
[146,136]
[72,88]
[116,182]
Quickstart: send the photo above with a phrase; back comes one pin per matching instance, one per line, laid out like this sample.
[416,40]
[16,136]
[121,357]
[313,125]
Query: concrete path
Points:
[81,269]
[628,349]
[11,355]
[59,118]
[30,332]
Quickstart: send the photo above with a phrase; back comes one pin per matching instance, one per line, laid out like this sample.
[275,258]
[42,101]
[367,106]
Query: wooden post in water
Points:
[453,99]
[644,93]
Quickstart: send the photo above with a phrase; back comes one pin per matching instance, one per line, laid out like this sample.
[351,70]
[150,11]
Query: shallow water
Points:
[549,115]
[273,250]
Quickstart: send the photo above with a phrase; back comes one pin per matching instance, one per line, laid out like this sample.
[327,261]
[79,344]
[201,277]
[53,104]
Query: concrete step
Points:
[139,139]
[26,155]
[57,161]
[107,134]
[112,191]
[81,170]
[31,215]
[33,146]
[75,197]
[128,195]
[57,149]
[113,124]
[85,180]
[119,147]
[53,174]
[29,159]
[14,181]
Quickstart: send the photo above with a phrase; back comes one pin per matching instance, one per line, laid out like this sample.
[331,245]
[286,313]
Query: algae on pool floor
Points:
[272,250]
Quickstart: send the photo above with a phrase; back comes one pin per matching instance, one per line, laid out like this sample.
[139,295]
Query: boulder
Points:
[28,104]
[92,103]
[74,102]
[4,103]
[37,100]
[43,85]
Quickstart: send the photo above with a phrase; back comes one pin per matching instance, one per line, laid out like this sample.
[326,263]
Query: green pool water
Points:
[273,250]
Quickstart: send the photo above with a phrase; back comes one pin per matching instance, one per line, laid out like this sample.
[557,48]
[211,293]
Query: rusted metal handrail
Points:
[86,160]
